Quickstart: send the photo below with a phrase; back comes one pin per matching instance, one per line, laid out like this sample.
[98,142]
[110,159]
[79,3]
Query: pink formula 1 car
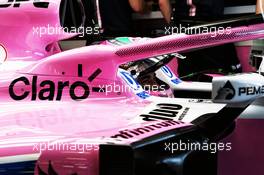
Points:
[80,112]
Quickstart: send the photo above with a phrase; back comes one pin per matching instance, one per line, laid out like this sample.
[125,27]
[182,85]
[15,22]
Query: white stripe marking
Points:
[20,158]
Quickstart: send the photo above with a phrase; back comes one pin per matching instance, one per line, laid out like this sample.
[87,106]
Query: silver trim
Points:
[240,9]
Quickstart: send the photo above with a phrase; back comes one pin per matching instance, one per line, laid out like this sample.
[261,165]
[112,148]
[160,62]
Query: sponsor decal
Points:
[143,95]
[130,133]
[47,88]
[166,70]
[17,3]
[166,112]
[47,91]
[227,92]
[253,90]
[176,81]
[184,113]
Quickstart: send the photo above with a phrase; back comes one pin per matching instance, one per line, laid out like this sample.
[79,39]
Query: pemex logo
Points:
[3,54]
[227,92]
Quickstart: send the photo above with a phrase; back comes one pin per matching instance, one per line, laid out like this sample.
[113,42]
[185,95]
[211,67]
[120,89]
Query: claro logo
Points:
[16,3]
[48,88]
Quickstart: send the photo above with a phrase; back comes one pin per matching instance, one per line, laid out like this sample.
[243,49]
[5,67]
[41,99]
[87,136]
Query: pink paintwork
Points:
[26,42]
[243,53]
[45,123]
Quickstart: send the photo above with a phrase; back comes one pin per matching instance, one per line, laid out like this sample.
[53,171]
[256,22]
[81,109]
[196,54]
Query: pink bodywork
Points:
[95,120]
[26,42]
[68,123]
